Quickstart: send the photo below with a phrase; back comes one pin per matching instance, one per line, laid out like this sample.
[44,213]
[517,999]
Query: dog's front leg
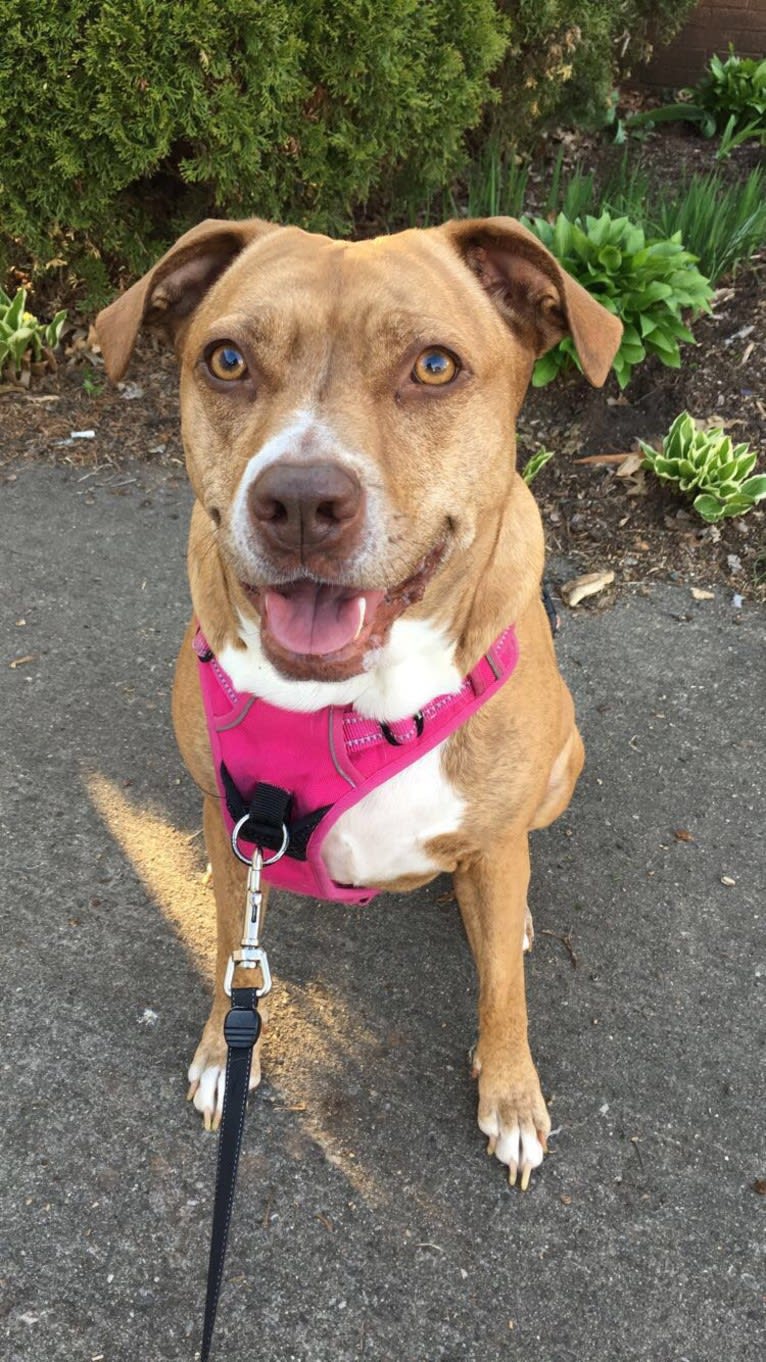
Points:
[492,893]
[207,1071]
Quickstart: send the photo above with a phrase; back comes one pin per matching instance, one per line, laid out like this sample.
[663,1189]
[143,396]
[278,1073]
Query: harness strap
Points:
[241,1030]
[268,814]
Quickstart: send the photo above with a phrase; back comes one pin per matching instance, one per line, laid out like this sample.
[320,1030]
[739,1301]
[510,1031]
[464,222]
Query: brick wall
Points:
[710,28]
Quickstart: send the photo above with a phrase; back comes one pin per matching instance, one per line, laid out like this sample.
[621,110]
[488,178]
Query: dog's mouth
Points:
[324,630]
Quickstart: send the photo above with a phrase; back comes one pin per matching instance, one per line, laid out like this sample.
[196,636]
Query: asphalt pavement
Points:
[369,1223]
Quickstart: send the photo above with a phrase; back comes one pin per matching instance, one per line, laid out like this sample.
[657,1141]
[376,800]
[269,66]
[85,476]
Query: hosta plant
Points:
[647,283]
[706,462]
[734,92]
[23,339]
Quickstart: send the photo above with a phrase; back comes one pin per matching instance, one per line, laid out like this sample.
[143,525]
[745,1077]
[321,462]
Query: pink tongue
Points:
[318,619]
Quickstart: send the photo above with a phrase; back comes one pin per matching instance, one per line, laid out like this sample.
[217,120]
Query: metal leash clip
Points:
[251,955]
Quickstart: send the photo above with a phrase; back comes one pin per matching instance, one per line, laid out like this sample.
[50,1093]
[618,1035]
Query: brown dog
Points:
[348,416]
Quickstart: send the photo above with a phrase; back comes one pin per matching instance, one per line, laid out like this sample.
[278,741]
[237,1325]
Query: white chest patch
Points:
[385,834]
[416,664]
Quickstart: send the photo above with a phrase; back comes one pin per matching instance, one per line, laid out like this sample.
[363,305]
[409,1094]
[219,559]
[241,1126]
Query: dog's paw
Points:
[515,1120]
[207,1078]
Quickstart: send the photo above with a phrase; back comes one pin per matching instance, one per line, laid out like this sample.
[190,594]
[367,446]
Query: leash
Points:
[263,823]
[241,1030]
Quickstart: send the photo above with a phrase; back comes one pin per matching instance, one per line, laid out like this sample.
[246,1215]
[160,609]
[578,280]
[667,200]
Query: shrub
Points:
[150,114]
[565,56]
[705,461]
[645,283]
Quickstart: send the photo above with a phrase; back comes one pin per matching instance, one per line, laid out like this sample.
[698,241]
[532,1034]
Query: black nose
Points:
[307,507]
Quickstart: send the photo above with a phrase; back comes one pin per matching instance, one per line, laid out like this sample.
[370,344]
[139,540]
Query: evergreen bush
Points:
[124,121]
[565,57]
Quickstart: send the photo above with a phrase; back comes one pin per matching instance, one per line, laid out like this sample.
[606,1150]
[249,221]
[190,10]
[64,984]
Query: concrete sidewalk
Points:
[369,1224]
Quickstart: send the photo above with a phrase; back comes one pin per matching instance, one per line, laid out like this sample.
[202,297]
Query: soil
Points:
[594,515]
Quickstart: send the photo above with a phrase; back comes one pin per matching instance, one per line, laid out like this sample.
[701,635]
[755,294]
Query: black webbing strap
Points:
[241,1030]
[268,812]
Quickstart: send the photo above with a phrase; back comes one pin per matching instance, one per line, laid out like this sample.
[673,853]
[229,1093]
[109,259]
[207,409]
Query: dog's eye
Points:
[435,367]
[226,362]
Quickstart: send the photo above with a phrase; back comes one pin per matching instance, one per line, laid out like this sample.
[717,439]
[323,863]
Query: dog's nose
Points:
[305,507]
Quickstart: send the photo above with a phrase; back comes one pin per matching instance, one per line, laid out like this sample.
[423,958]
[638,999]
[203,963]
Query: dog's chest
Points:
[384,836]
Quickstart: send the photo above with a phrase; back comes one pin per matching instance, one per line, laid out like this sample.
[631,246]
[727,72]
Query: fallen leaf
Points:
[683,835]
[607,458]
[580,587]
[630,465]
[700,595]
[747,353]
[759,1186]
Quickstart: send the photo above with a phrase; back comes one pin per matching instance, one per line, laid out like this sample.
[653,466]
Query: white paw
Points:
[517,1144]
[513,1116]
[207,1085]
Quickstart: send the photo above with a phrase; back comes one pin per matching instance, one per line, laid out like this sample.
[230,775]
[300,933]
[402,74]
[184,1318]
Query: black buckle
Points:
[419,723]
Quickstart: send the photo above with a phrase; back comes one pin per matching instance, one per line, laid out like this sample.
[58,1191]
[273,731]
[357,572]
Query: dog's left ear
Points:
[171,291]
[534,295]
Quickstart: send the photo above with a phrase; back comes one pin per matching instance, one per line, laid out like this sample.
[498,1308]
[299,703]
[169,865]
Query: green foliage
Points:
[683,112]
[730,100]
[23,339]
[93,384]
[734,92]
[496,183]
[706,462]
[532,466]
[647,284]
[722,224]
[565,56]
[150,114]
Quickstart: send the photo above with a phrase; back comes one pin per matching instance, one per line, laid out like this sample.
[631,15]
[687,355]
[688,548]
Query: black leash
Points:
[241,1029]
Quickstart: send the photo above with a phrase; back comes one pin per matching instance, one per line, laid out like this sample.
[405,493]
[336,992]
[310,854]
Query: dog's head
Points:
[348,410]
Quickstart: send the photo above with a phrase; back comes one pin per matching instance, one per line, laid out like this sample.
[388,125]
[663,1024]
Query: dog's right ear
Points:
[170,292]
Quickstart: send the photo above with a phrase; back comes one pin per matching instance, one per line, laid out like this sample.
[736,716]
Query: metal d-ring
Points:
[391,737]
[247,860]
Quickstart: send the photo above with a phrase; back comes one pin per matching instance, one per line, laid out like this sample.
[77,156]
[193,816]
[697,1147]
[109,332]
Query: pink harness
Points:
[279,770]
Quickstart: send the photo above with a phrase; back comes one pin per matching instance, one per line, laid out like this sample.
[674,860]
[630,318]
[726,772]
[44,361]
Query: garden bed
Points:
[594,516]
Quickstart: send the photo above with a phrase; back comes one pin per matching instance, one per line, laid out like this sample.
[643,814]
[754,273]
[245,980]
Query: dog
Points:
[360,539]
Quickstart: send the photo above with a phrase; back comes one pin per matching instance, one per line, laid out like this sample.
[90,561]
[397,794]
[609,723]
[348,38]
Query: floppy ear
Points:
[174,287]
[534,295]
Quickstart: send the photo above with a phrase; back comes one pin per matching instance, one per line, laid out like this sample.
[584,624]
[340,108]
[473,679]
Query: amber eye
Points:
[435,367]
[226,362]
